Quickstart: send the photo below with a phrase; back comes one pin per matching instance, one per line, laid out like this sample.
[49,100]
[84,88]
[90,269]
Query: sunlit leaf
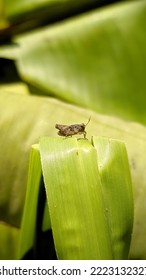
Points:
[117,192]
[91,212]
[75,199]
[96,60]
[18,133]
[28,226]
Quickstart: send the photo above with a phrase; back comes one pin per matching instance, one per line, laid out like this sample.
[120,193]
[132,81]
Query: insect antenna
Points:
[88,121]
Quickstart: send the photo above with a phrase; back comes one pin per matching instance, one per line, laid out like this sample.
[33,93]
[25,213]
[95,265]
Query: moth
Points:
[73,129]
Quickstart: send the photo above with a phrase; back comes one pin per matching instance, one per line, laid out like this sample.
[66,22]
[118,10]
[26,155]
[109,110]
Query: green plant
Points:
[95,60]
[89,200]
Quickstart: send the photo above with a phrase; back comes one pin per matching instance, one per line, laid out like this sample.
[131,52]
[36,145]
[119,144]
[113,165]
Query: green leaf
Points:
[75,200]
[96,60]
[24,15]
[117,192]
[28,230]
[9,239]
[30,210]
[3,20]
[84,224]
[18,133]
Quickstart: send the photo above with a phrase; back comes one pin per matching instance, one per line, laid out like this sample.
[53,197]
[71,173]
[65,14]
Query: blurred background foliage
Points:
[62,61]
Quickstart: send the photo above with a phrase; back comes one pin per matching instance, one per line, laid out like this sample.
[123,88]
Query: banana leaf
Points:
[9,241]
[96,60]
[86,220]
[25,118]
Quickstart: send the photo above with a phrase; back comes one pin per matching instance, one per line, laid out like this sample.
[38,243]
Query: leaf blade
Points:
[117,191]
[78,233]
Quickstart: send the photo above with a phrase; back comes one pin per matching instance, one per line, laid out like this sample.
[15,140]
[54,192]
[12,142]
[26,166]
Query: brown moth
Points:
[69,130]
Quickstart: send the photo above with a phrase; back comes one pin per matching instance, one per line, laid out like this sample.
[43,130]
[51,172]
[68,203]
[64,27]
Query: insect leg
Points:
[85,134]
